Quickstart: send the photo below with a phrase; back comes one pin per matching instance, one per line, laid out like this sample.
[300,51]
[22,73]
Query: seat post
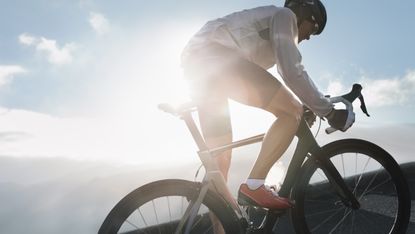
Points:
[197,136]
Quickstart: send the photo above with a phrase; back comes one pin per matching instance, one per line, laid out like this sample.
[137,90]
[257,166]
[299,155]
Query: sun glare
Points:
[150,76]
[155,76]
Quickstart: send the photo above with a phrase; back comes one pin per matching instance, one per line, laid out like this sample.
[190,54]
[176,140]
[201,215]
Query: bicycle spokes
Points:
[369,182]
[163,215]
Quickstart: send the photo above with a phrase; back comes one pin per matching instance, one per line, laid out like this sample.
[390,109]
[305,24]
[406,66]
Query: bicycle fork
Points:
[337,182]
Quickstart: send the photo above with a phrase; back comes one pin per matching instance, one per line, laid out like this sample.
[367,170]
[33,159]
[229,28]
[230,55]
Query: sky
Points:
[80,82]
[82,79]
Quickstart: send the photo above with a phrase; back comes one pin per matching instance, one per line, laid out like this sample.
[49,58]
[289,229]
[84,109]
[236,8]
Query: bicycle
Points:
[328,198]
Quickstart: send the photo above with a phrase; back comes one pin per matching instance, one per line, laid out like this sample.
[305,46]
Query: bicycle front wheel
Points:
[158,207]
[371,174]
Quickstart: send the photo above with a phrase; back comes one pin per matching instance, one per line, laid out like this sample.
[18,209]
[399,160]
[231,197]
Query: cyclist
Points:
[229,57]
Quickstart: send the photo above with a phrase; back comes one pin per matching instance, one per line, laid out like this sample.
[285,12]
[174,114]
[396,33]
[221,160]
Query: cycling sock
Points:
[254,183]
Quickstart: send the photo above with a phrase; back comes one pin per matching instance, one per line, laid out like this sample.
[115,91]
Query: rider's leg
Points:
[216,128]
[232,76]
[256,87]
[252,85]
[281,133]
[267,93]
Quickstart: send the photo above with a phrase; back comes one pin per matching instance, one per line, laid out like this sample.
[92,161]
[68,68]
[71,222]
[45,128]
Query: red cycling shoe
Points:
[263,196]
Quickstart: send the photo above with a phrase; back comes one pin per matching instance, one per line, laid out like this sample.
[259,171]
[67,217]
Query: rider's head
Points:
[311,17]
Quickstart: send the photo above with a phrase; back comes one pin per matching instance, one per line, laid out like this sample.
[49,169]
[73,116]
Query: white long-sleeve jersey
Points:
[265,36]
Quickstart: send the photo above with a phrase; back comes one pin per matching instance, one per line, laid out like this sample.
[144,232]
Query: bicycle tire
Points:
[384,186]
[168,189]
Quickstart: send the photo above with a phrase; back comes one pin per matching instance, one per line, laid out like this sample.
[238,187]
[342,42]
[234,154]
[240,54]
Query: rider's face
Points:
[305,30]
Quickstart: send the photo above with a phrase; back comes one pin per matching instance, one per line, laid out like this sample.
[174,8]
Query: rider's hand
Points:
[341,119]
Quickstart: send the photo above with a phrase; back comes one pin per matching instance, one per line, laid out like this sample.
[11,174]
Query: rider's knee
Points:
[292,114]
[297,111]
[286,106]
[289,108]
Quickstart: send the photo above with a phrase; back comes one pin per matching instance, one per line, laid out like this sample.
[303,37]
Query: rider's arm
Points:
[284,36]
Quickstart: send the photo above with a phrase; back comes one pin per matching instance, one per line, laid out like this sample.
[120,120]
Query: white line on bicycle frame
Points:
[251,140]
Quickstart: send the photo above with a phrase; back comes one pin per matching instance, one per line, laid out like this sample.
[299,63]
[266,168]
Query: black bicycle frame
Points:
[307,147]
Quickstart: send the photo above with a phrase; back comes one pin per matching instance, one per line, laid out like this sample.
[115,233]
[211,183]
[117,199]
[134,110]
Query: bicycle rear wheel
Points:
[159,206]
[371,174]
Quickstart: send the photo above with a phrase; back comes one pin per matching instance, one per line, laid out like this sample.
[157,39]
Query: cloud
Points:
[99,23]
[7,73]
[13,136]
[30,134]
[381,92]
[388,92]
[26,39]
[55,55]
[335,88]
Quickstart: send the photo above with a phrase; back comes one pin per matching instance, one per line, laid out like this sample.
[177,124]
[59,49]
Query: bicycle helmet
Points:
[311,10]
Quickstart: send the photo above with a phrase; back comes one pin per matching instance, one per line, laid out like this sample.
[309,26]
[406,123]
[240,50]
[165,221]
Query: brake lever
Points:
[363,105]
[357,93]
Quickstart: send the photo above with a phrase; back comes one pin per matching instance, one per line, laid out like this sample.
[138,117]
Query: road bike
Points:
[346,186]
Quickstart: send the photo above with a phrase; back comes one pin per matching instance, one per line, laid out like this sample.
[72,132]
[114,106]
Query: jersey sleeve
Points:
[284,36]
